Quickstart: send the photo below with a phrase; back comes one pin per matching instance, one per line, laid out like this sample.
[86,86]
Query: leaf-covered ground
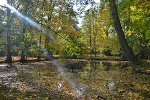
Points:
[78,80]
[7,93]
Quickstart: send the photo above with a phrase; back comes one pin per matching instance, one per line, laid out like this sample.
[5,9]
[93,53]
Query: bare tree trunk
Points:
[127,51]
[9,58]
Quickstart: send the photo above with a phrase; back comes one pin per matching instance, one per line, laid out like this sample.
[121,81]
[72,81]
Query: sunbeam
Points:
[60,70]
[34,24]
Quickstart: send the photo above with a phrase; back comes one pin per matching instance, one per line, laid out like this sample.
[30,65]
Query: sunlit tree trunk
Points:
[127,51]
[9,58]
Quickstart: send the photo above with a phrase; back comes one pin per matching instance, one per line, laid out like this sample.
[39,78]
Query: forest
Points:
[79,37]
[96,36]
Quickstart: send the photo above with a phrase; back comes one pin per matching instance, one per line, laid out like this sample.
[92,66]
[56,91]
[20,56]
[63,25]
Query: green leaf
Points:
[149,42]
[148,23]
[147,35]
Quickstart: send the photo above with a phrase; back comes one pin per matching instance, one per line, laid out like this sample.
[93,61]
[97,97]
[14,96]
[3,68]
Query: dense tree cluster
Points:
[97,35]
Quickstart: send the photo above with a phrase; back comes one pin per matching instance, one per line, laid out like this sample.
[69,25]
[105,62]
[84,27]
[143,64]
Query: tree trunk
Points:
[90,27]
[39,51]
[94,36]
[22,52]
[24,31]
[90,46]
[9,58]
[22,57]
[127,51]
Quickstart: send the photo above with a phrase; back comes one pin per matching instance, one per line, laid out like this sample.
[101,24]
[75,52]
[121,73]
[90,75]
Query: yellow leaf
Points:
[34,94]
[46,98]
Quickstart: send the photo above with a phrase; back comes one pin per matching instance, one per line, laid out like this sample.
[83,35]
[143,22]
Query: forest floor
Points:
[17,58]
[17,93]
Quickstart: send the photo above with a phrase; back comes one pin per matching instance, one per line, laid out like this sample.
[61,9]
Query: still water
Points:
[93,80]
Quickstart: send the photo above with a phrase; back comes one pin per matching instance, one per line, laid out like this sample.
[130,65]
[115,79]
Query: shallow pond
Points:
[78,79]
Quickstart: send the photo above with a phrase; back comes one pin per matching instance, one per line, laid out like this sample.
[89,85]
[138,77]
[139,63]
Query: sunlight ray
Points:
[60,70]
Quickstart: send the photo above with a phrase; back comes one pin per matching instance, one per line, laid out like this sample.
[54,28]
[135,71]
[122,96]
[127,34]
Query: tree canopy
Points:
[96,36]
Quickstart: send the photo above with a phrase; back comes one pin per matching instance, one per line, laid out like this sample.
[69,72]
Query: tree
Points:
[9,58]
[1,21]
[88,27]
[127,51]
[134,19]
[24,28]
[2,33]
[97,24]
[26,8]
[105,21]
[69,34]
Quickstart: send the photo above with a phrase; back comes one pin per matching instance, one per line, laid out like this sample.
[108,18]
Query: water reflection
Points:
[59,85]
[96,79]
